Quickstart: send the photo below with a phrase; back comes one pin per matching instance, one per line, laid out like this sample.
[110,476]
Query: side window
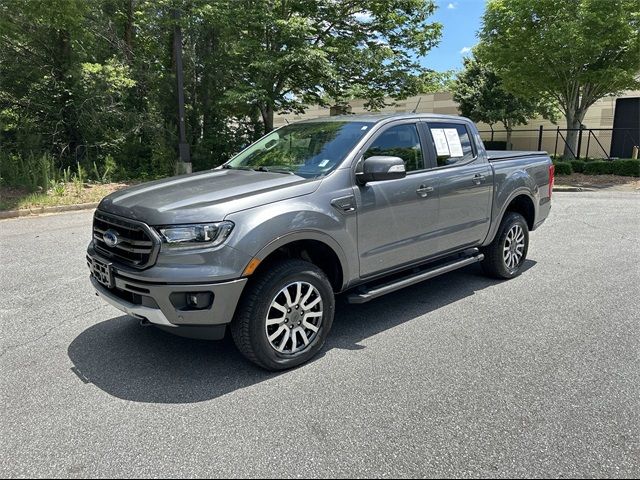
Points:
[452,142]
[399,141]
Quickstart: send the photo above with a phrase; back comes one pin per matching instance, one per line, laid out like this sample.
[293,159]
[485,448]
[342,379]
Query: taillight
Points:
[552,174]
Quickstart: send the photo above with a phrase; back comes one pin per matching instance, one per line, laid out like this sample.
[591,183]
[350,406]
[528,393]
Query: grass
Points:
[70,193]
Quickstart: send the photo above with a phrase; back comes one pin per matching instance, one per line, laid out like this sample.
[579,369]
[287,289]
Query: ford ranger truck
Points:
[359,205]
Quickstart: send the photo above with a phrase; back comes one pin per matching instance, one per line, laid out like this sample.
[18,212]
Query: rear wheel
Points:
[505,256]
[285,315]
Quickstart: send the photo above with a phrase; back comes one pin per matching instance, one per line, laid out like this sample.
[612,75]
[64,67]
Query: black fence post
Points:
[540,138]
[579,142]
[555,149]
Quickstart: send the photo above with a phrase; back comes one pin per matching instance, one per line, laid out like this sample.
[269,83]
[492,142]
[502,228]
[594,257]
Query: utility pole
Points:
[184,163]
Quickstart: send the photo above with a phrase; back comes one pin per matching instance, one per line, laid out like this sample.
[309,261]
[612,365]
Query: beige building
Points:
[599,116]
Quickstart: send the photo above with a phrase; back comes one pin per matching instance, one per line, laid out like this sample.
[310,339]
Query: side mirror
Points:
[378,168]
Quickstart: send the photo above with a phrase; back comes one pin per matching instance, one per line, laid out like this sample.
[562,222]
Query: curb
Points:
[44,210]
[561,188]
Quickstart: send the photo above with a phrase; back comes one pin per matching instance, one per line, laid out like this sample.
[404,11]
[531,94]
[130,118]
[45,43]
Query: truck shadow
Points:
[147,365]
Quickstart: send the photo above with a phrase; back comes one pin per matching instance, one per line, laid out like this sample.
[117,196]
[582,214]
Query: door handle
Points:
[478,179]
[424,190]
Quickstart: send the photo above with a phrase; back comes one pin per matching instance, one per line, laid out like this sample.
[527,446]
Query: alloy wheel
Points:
[514,247]
[294,318]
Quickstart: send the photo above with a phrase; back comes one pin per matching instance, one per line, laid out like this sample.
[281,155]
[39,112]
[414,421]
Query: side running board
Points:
[365,294]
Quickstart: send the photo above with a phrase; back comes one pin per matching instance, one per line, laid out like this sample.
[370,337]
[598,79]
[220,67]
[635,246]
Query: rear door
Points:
[465,185]
[397,218]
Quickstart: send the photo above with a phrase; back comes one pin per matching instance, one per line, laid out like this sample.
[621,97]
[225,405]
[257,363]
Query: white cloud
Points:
[465,50]
[452,5]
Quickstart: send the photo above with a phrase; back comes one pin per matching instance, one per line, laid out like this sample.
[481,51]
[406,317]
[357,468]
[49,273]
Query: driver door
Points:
[397,219]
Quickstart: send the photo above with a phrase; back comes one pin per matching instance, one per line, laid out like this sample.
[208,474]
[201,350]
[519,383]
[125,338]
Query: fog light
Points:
[199,301]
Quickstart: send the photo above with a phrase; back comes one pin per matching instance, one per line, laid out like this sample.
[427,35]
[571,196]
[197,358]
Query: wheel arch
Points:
[312,246]
[521,201]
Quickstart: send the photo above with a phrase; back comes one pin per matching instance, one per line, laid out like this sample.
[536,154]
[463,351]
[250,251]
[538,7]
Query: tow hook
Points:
[144,322]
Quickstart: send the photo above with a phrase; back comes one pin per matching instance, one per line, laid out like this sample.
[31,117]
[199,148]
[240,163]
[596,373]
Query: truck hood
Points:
[204,197]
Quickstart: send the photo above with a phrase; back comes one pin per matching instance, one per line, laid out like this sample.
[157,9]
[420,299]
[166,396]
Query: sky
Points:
[460,20]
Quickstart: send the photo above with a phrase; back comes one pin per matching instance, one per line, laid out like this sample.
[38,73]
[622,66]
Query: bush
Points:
[627,168]
[31,172]
[495,145]
[563,168]
[577,166]
[598,168]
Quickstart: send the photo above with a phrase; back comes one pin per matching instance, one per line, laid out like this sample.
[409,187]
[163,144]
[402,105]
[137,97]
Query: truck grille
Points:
[136,244]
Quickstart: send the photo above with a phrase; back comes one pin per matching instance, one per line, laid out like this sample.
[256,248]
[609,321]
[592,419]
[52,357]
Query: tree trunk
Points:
[267,117]
[509,129]
[65,82]
[129,33]
[574,120]
[209,87]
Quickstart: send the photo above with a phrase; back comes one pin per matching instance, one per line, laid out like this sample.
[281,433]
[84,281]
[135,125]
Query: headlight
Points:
[195,236]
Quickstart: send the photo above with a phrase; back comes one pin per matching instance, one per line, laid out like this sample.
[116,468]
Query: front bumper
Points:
[163,304]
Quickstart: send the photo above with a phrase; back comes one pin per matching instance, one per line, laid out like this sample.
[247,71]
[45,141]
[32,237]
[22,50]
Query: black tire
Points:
[494,263]
[248,328]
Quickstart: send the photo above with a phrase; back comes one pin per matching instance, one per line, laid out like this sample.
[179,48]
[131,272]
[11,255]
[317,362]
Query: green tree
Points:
[573,51]
[89,80]
[482,97]
[293,53]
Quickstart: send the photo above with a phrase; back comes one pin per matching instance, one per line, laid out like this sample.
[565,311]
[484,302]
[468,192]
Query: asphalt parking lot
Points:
[459,376]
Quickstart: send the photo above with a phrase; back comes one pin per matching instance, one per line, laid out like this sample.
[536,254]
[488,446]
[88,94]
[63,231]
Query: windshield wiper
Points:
[276,170]
[229,167]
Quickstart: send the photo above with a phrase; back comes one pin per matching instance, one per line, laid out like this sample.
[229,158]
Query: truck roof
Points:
[379,117]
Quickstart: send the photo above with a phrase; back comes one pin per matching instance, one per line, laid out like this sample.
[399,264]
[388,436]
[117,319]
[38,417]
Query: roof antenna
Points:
[415,109]
[286,121]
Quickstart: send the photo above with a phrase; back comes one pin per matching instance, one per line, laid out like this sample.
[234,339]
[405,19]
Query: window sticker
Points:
[453,139]
[440,139]
[323,163]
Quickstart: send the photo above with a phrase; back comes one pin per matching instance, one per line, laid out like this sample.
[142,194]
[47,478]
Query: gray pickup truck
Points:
[357,205]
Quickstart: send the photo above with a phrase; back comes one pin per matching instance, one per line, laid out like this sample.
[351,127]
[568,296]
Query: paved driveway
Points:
[459,376]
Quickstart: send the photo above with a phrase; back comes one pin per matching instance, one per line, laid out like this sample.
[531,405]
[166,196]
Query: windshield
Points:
[306,149]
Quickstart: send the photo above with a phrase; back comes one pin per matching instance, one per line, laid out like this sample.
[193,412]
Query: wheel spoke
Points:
[312,315]
[275,321]
[312,304]
[277,306]
[283,344]
[305,339]
[277,333]
[309,326]
[288,297]
[294,340]
[306,296]
[298,293]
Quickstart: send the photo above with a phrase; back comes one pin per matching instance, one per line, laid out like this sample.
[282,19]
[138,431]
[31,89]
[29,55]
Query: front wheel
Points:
[285,315]
[505,256]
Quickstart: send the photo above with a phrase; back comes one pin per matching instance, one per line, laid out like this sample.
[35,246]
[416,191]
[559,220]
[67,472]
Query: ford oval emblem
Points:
[111,238]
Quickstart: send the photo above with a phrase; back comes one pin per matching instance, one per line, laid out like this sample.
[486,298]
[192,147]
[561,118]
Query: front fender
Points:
[260,231]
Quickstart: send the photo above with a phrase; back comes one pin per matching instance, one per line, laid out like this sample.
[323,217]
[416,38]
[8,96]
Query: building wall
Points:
[600,115]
